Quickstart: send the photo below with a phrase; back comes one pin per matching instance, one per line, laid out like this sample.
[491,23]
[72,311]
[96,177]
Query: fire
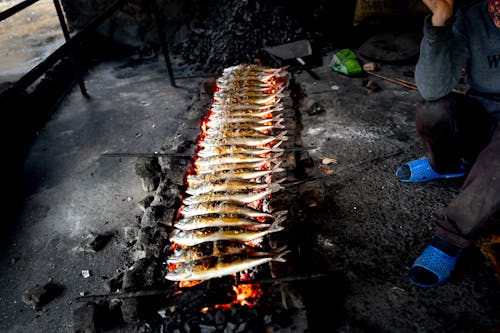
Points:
[246,295]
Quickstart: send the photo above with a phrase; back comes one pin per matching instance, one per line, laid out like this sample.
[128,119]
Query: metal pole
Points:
[71,54]
[163,43]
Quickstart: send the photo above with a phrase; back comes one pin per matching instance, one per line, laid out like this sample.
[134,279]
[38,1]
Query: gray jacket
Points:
[471,42]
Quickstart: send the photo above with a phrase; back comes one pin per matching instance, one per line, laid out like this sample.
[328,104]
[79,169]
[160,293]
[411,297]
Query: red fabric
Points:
[494,11]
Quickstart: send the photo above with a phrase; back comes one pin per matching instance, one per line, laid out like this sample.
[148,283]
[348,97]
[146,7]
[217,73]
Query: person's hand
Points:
[442,11]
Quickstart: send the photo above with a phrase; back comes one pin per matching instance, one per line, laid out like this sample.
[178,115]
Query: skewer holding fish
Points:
[217,266]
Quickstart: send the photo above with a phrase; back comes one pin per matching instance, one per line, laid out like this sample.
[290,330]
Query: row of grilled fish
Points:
[224,216]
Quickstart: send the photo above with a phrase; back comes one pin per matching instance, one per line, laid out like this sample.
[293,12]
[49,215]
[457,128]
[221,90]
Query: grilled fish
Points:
[199,222]
[218,248]
[198,236]
[231,174]
[216,266]
[232,185]
[251,141]
[240,197]
[209,151]
[223,208]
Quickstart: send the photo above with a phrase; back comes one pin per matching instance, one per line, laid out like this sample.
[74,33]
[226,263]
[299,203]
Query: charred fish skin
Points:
[217,266]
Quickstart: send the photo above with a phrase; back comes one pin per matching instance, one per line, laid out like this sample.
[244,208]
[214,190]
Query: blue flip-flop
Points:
[421,171]
[437,262]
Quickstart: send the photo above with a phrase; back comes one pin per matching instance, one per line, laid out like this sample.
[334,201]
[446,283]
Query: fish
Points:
[218,106]
[229,158]
[252,141]
[259,165]
[199,222]
[197,179]
[217,266]
[198,236]
[232,185]
[209,151]
[224,128]
[238,197]
[234,99]
[217,248]
[224,208]
[271,120]
[247,92]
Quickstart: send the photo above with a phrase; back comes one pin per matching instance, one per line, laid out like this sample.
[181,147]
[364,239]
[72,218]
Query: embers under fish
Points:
[217,266]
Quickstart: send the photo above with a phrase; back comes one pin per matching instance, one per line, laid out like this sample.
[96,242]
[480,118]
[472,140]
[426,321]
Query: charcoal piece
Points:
[146,202]
[38,295]
[84,318]
[95,242]
[149,171]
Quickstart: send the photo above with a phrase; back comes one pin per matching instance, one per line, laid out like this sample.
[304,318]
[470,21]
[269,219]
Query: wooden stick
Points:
[404,83]
[400,82]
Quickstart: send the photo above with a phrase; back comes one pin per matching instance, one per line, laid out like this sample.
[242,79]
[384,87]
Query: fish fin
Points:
[279,253]
[275,147]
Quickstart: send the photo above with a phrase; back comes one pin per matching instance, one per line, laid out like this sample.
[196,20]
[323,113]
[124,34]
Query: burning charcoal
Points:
[149,171]
[37,296]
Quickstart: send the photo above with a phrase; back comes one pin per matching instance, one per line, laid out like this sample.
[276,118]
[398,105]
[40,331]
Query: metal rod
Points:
[163,42]
[15,9]
[71,52]
[174,154]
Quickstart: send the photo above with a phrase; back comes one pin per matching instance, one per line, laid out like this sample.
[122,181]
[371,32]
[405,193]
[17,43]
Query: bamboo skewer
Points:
[404,83]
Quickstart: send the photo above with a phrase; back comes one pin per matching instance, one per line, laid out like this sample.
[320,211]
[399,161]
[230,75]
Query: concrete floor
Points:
[70,189]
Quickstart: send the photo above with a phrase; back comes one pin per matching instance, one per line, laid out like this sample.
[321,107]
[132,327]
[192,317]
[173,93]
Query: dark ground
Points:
[364,236]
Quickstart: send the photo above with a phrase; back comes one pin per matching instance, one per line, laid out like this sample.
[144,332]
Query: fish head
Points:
[181,273]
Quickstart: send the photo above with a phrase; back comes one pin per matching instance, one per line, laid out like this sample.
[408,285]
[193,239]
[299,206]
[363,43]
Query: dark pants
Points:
[457,129]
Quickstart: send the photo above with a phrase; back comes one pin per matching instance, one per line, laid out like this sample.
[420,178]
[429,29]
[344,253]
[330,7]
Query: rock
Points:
[94,242]
[149,171]
[146,202]
[84,319]
[38,295]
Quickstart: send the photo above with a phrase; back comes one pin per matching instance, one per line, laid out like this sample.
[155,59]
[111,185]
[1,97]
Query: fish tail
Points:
[275,187]
[279,253]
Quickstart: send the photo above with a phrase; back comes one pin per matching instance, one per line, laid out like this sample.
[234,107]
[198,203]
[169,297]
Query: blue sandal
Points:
[436,262]
[421,171]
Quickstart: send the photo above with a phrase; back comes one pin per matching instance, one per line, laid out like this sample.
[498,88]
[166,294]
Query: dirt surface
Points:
[363,237]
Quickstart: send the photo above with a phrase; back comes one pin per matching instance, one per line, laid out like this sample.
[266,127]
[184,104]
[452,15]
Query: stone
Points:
[84,318]
[38,295]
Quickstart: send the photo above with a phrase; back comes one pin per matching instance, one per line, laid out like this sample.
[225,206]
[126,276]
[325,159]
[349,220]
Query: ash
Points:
[236,31]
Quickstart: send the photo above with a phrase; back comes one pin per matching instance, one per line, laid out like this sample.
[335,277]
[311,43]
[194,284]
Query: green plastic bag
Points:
[344,61]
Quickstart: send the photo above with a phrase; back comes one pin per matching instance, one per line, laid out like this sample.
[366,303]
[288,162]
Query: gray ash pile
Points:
[236,31]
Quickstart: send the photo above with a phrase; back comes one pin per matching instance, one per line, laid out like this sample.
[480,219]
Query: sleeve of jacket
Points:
[443,54]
